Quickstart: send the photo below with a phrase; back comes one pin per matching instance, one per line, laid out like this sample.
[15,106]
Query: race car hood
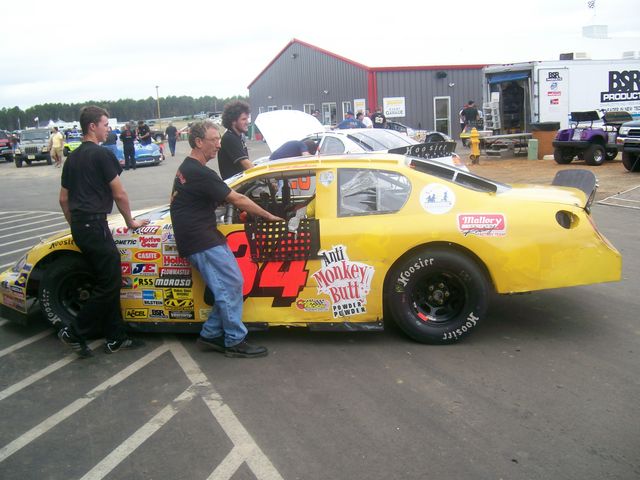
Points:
[280,126]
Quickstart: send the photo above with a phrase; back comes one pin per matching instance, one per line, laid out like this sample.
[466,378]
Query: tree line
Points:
[123,109]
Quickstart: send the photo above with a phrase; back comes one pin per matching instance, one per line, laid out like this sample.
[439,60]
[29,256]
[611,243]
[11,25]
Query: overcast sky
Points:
[75,51]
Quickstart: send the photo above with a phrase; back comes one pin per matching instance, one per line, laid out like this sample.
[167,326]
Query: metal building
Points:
[305,77]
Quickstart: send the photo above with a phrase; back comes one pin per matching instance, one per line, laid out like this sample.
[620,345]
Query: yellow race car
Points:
[366,236]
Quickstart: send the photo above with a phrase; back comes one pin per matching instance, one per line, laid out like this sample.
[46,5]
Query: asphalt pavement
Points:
[546,388]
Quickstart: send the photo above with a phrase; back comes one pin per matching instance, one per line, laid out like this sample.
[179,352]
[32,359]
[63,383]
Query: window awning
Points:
[508,76]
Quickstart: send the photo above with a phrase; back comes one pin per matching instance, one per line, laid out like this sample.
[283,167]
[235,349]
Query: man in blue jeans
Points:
[197,191]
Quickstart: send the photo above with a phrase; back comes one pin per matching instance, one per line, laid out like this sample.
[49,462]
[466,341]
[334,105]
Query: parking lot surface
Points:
[546,388]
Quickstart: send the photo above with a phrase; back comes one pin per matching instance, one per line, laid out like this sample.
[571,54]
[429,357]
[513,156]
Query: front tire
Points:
[611,154]
[66,285]
[437,295]
[631,161]
[562,157]
[18,162]
[594,155]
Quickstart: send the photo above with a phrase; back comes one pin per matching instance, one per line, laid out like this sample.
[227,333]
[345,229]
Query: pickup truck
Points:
[629,141]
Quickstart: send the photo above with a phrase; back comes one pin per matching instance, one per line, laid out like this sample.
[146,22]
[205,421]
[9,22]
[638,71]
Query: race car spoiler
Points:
[583,180]
[427,150]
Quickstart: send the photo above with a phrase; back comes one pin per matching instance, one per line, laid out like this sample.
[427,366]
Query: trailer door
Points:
[553,95]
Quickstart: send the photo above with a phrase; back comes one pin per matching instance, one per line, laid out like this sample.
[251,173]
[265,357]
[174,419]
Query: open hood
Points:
[280,126]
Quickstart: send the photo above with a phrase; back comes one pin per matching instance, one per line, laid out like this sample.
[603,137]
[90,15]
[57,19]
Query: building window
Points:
[271,108]
[346,107]
[286,107]
[329,113]
[442,114]
[260,110]
[309,108]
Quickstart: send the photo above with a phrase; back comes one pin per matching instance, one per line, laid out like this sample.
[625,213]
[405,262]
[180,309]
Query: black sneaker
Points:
[216,343]
[245,350]
[125,344]
[75,343]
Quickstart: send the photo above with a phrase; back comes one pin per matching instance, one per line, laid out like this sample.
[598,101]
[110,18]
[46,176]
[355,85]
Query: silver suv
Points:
[33,147]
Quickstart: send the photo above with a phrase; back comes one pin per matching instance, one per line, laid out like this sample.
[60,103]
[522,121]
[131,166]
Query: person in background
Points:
[366,120]
[316,114]
[144,133]
[470,114]
[90,185]
[172,136]
[233,156]
[350,122]
[294,148]
[128,138]
[378,119]
[197,191]
[461,117]
[112,137]
[56,145]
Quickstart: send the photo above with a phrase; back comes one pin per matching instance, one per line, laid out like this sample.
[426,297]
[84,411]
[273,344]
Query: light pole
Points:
[158,104]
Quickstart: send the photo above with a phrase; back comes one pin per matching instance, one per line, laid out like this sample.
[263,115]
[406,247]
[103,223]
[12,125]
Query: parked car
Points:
[150,154]
[73,141]
[629,142]
[33,147]
[6,149]
[279,126]
[365,237]
[594,143]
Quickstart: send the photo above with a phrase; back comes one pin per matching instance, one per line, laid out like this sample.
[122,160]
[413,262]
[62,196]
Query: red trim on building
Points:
[428,67]
[372,91]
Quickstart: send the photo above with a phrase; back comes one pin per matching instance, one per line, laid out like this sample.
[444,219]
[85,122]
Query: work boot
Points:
[215,343]
[245,350]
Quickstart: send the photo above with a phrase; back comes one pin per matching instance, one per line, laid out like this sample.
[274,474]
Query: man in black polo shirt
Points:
[197,192]
[233,156]
[144,133]
[90,184]
[128,138]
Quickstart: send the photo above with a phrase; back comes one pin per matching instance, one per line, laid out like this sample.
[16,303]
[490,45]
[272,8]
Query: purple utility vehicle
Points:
[593,143]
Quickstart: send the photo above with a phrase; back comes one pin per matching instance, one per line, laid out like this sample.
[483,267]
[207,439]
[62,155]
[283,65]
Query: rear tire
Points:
[611,154]
[437,295]
[631,161]
[594,155]
[562,157]
[66,285]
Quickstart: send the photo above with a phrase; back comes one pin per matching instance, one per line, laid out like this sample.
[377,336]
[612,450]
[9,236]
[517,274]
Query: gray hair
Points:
[199,130]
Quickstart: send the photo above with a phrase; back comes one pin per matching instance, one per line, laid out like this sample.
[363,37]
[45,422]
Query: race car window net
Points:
[456,176]
[366,192]
[155,214]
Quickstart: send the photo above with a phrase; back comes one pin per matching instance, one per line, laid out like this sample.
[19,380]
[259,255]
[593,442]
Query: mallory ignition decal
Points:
[346,283]
[482,224]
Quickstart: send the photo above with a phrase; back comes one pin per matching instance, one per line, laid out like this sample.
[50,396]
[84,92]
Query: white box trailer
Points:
[549,91]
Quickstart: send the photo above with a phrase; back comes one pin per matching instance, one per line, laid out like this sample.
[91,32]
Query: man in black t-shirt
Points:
[470,114]
[90,184]
[197,192]
[144,133]
[378,119]
[172,135]
[128,138]
[233,156]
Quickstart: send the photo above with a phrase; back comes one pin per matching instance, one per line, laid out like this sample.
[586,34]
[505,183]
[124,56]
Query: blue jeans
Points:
[221,273]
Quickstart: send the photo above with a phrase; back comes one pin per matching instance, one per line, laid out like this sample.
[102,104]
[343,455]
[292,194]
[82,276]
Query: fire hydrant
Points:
[474,139]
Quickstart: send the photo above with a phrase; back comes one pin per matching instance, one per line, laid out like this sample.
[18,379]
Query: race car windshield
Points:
[379,139]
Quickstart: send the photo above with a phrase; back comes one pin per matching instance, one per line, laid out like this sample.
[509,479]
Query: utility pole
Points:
[158,103]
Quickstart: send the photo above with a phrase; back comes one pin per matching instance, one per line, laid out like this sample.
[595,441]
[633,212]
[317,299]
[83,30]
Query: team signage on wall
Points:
[393,107]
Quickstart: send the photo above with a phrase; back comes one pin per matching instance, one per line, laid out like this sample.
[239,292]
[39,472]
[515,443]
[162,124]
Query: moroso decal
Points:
[145,256]
[482,224]
[347,283]
[173,282]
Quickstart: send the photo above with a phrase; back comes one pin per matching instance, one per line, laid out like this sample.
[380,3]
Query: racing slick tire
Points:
[611,154]
[66,284]
[562,157]
[18,162]
[631,161]
[437,295]
[594,155]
